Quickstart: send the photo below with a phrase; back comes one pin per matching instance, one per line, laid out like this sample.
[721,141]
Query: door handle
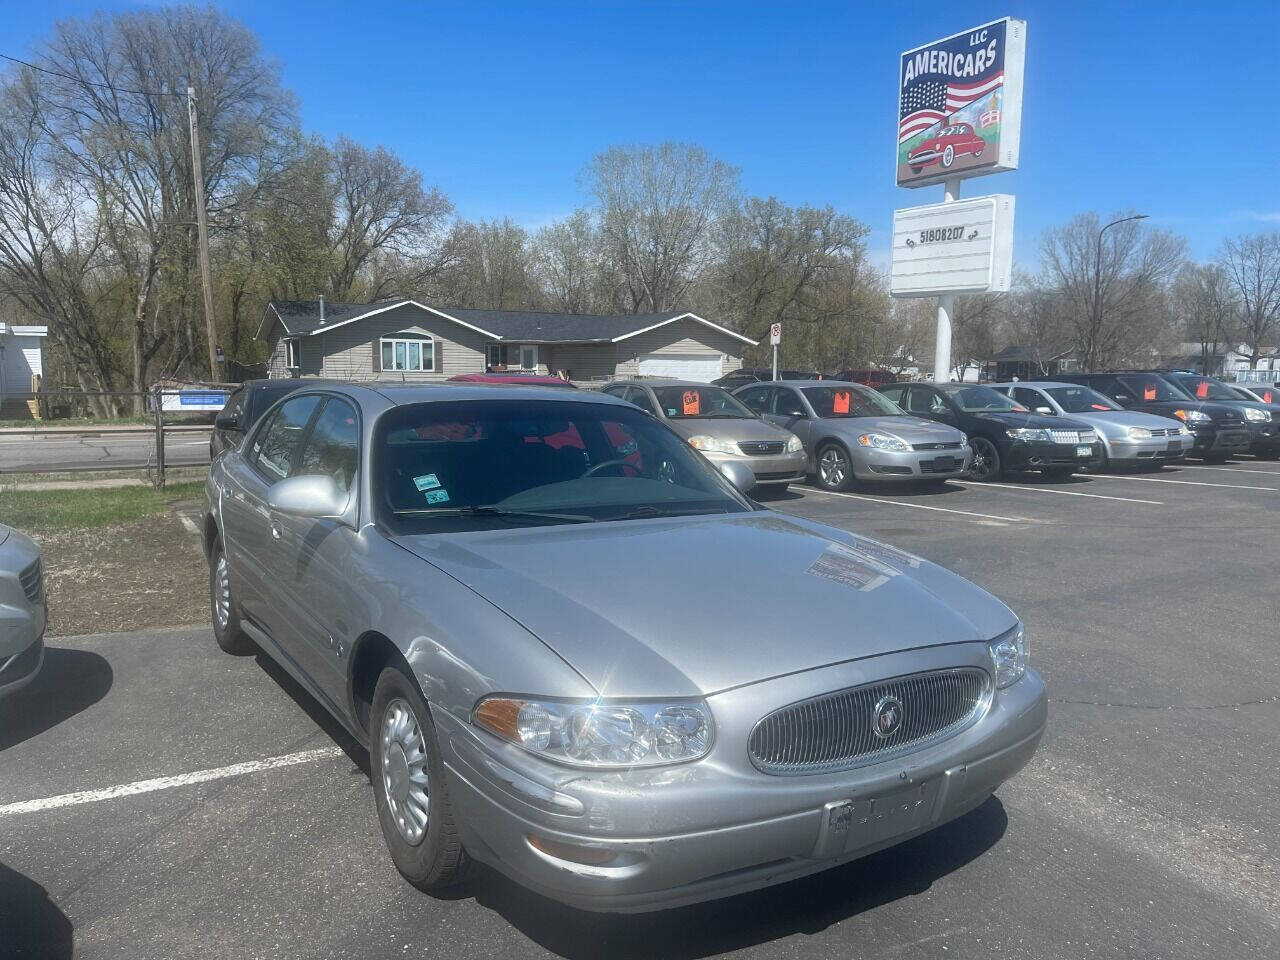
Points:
[276,530]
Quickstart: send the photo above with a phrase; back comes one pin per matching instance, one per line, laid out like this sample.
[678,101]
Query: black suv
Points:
[1219,429]
[1262,419]
[744,375]
[245,405]
[1004,434]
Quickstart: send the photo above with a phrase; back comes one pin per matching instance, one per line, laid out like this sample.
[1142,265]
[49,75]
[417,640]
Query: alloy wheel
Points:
[983,466]
[404,771]
[222,592]
[833,468]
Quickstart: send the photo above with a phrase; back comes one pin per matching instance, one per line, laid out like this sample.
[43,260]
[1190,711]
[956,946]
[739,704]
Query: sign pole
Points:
[946,305]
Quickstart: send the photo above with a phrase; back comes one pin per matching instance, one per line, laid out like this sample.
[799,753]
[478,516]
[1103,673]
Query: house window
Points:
[496,355]
[293,354]
[529,357]
[410,353]
[507,355]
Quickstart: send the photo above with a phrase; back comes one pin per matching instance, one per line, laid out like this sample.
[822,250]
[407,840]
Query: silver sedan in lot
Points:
[578,654]
[717,425]
[852,433]
[1129,437]
[23,610]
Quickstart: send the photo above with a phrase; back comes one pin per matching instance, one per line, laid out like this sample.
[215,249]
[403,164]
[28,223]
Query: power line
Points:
[93,83]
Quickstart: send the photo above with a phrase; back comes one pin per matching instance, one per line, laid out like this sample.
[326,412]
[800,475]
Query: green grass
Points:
[56,511]
[81,422]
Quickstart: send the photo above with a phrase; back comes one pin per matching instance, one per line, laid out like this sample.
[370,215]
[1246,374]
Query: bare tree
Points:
[1252,265]
[1205,304]
[1111,280]
[657,206]
[977,324]
[567,265]
[1034,320]
[492,267]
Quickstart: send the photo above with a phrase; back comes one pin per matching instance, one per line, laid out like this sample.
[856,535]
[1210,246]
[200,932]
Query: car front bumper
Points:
[1124,449]
[1264,438]
[1211,439]
[770,469]
[681,834]
[870,463]
[21,639]
[1040,454]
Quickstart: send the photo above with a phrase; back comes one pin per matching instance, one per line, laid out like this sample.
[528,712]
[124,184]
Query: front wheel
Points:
[226,619]
[834,469]
[986,460]
[409,787]
[948,156]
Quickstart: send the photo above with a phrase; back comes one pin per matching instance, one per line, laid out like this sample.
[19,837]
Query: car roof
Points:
[1042,384]
[661,382]
[406,393]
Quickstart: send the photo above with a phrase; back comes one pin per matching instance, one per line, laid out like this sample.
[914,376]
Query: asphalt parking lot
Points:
[160,799]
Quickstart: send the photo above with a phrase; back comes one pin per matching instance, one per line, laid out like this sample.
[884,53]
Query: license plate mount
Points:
[882,818]
[1084,451]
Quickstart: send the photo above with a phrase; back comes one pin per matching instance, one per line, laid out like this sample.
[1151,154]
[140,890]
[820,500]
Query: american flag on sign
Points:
[926,103]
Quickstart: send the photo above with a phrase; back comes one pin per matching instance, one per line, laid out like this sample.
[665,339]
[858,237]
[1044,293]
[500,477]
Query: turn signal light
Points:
[574,853]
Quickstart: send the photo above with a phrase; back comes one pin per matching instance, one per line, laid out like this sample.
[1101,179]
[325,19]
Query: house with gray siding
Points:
[406,340]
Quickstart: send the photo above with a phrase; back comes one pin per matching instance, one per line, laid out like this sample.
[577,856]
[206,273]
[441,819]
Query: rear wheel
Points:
[986,460]
[948,156]
[409,787]
[835,472]
[226,620]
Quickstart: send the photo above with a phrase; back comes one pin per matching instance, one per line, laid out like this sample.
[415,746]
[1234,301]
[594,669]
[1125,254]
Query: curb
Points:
[100,431]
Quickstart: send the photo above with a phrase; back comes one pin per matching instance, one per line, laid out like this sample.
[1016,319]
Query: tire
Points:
[948,157]
[835,468]
[222,606]
[1057,473]
[986,460]
[428,854]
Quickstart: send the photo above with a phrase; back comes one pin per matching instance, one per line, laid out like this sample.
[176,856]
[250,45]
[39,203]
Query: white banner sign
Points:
[960,247]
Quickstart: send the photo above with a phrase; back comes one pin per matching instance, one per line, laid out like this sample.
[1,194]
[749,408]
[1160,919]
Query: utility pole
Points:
[202,234]
[1091,354]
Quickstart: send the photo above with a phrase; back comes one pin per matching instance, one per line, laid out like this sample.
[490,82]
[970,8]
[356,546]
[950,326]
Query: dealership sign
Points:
[960,104]
[948,248]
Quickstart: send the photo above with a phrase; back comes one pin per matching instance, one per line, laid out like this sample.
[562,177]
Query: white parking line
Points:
[1065,493]
[922,506]
[1265,473]
[168,783]
[1189,483]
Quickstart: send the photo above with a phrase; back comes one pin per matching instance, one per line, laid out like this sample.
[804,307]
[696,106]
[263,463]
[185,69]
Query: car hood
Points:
[1116,423]
[744,428]
[910,429]
[1213,409]
[1011,418]
[693,605]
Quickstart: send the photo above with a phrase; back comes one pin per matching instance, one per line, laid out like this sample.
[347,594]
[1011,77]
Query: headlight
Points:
[1257,416]
[1027,433]
[713,444]
[882,441]
[601,733]
[1184,432]
[794,445]
[1139,433]
[1192,416]
[1009,655]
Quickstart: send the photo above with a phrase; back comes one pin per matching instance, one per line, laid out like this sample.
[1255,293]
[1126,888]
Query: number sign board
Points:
[960,104]
[960,247]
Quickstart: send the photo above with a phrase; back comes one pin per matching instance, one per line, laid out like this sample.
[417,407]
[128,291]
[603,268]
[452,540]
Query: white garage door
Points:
[699,368]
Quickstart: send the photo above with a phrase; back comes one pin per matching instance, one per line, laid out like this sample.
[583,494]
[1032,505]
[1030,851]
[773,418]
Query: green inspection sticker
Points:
[437,496]
[428,481]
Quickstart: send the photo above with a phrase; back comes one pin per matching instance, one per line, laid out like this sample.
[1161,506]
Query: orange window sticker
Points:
[1099,406]
[840,401]
[1202,389]
[1268,396]
[1149,393]
[692,403]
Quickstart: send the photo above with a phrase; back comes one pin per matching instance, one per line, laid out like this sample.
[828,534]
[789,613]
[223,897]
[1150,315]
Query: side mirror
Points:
[1047,411]
[316,497]
[739,474]
[227,421]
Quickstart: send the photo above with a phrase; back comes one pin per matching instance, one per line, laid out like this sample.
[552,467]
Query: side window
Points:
[274,446]
[920,400]
[615,391]
[641,399]
[756,399]
[333,449]
[787,403]
[1030,398]
[896,394]
[235,406]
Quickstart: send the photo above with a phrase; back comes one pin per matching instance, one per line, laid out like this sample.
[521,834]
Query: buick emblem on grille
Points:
[887,717]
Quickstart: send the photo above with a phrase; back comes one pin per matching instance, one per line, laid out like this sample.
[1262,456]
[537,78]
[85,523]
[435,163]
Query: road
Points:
[1148,825]
[60,450]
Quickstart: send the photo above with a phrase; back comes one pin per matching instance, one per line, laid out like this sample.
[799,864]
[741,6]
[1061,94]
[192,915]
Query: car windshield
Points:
[1081,400]
[980,399]
[469,465]
[700,402]
[850,400]
[1202,388]
[1148,388]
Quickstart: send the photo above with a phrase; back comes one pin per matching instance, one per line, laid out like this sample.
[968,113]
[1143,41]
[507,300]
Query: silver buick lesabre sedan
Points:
[22,610]
[577,653]
[852,433]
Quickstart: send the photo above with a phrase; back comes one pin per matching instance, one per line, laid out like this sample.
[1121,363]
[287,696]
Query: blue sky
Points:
[1158,108]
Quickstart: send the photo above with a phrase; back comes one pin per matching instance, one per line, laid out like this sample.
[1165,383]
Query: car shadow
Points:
[805,906]
[318,713]
[68,682]
[30,922]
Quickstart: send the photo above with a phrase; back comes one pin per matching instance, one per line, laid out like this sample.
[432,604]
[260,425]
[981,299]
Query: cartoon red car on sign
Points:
[944,146]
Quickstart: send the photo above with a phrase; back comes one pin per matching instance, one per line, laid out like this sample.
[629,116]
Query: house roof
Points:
[302,318]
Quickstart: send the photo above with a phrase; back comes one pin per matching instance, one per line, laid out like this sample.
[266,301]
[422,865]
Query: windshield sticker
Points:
[1099,406]
[436,496]
[427,481]
[1267,396]
[853,568]
[692,403]
[840,402]
[1202,389]
[1149,393]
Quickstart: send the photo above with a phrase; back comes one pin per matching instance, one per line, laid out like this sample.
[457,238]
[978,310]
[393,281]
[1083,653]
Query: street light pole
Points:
[202,234]
[1091,360]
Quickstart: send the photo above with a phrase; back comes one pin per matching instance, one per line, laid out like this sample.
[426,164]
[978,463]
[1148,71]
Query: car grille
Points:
[836,731]
[1160,432]
[941,465]
[1073,436]
[936,446]
[32,582]
[762,448]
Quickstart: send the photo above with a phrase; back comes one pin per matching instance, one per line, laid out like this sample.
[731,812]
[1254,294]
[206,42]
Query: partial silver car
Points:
[578,654]
[1128,437]
[23,610]
[719,427]
[850,433]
